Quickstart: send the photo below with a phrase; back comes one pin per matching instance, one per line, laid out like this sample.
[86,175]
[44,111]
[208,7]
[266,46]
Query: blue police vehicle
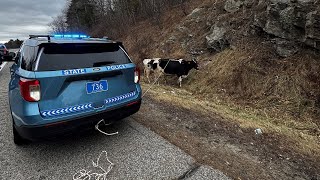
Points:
[63,83]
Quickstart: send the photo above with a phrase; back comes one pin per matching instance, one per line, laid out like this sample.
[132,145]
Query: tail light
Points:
[30,89]
[136,75]
[5,51]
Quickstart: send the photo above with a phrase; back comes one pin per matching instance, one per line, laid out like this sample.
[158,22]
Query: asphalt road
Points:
[137,153]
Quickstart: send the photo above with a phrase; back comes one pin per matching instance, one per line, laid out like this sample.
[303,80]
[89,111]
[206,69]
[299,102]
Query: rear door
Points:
[77,78]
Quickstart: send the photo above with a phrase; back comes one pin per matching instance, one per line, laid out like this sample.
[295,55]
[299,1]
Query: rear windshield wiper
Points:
[99,64]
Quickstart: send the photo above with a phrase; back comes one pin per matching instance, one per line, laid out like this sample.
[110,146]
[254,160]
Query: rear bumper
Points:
[66,127]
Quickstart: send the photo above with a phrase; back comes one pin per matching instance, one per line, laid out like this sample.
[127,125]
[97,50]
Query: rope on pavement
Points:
[107,134]
[88,175]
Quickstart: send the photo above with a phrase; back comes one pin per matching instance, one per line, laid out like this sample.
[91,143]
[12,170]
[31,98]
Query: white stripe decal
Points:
[85,107]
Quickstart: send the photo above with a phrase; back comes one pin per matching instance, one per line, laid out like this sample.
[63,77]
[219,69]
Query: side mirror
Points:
[10,57]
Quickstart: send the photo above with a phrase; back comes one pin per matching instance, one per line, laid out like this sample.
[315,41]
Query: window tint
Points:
[85,55]
[29,55]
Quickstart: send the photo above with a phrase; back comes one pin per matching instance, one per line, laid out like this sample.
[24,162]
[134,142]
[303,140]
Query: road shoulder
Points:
[221,142]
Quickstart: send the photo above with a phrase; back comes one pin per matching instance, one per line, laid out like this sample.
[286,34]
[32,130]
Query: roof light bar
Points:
[76,36]
[58,36]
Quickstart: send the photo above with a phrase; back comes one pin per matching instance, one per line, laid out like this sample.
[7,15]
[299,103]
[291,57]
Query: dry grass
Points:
[288,88]
[247,117]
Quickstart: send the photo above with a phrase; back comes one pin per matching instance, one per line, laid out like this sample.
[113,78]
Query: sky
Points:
[19,18]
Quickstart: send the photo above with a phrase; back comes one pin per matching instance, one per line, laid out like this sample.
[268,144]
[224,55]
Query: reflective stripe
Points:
[120,98]
[68,110]
[85,107]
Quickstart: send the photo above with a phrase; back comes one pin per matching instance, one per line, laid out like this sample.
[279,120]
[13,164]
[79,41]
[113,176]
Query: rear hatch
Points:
[77,78]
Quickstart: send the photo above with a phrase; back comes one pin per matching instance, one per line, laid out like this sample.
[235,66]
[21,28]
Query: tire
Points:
[17,139]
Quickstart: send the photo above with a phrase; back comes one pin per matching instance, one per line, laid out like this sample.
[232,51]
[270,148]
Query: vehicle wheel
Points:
[17,139]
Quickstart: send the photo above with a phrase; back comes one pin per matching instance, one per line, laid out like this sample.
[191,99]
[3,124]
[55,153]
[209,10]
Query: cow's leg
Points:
[181,78]
[148,74]
[160,72]
[145,72]
[157,74]
[180,81]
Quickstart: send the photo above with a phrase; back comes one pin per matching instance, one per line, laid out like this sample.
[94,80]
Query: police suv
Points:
[63,83]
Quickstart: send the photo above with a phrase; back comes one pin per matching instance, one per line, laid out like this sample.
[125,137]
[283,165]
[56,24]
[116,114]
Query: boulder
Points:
[281,22]
[312,29]
[232,5]
[287,18]
[286,48]
[313,25]
[293,20]
[217,40]
[260,20]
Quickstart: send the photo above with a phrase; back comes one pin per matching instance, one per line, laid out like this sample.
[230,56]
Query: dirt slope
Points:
[222,142]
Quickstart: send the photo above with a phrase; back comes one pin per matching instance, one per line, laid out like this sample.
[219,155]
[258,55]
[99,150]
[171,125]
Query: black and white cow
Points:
[179,67]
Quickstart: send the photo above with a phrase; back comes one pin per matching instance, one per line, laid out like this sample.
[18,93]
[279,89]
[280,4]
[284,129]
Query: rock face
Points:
[291,20]
[313,29]
[282,21]
[286,48]
[232,5]
[217,40]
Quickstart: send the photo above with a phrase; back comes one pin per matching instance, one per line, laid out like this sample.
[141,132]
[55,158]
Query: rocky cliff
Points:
[293,22]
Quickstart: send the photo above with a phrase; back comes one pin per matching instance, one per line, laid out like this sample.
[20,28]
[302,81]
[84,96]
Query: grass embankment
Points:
[297,134]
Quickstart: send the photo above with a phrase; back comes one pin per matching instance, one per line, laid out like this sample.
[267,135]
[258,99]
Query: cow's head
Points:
[194,64]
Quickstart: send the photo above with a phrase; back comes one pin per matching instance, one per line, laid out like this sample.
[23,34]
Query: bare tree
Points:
[110,16]
[59,25]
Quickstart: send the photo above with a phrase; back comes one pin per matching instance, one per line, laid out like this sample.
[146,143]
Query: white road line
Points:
[2,65]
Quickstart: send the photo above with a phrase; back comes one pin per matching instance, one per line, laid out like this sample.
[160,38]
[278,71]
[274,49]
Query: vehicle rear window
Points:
[2,47]
[73,56]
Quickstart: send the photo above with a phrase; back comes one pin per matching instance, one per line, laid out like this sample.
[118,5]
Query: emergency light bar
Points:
[76,36]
